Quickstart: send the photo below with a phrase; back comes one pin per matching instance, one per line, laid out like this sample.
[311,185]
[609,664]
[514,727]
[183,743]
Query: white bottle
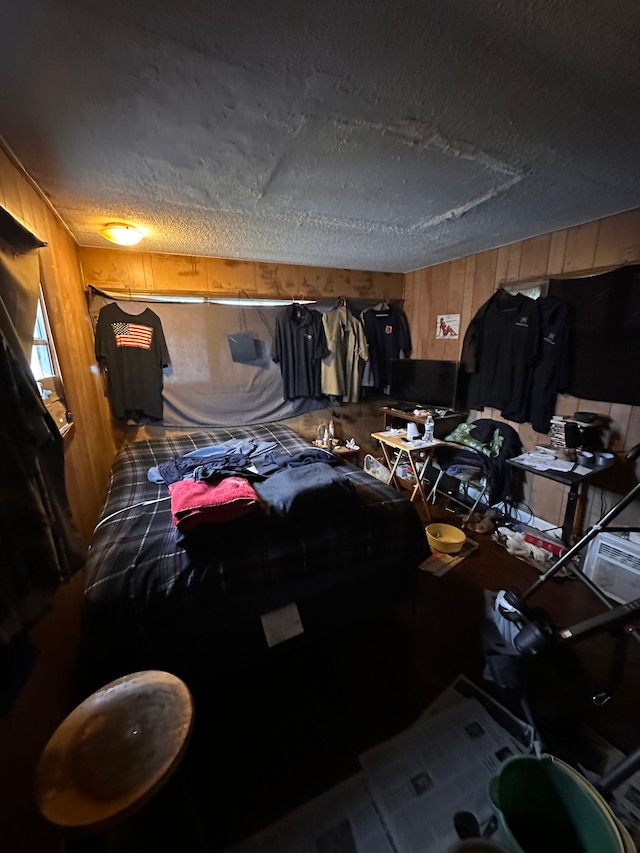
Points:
[429,427]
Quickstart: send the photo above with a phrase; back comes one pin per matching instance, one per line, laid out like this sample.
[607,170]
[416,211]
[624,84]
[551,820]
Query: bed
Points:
[193,603]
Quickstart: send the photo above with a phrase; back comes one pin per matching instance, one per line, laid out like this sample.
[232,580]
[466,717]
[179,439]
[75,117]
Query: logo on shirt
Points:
[132,335]
[524,322]
[388,329]
[550,338]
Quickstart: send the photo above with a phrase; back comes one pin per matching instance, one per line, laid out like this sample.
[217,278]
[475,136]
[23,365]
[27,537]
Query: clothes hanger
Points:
[383,308]
[297,305]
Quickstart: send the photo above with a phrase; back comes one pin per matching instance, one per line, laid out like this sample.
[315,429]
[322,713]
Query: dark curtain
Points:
[41,547]
[605,341]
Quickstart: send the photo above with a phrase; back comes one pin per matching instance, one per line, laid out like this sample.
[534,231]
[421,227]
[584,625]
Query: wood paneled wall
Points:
[48,694]
[90,452]
[130,271]
[462,286]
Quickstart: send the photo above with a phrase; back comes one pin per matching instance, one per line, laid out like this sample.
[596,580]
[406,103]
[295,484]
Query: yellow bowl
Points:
[445,538]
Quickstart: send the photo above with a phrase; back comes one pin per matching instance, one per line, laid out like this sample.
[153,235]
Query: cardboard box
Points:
[544,540]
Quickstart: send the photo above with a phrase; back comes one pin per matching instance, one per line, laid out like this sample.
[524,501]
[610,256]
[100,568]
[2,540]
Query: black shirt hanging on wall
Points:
[605,344]
[503,339]
[387,333]
[133,350]
[550,373]
[299,345]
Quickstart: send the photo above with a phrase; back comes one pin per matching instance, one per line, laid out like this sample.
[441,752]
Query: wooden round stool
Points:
[113,752]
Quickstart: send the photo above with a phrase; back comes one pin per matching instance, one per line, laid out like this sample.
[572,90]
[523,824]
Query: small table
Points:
[347,454]
[114,752]
[577,482]
[413,451]
[444,424]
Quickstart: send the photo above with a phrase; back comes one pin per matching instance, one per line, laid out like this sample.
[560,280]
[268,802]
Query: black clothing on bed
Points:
[277,460]
[238,457]
[313,490]
[194,606]
[133,351]
[235,454]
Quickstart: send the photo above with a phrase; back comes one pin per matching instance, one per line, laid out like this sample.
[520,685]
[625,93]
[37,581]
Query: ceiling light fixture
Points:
[122,234]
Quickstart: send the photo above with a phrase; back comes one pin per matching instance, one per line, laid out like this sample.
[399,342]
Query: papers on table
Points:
[419,444]
[543,462]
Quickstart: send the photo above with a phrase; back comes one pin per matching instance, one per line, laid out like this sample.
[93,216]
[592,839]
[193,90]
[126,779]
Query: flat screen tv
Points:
[430,382]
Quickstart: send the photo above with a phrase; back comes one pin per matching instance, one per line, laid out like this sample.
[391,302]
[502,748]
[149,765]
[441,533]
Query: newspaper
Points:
[439,564]
[462,688]
[411,786]
[344,820]
[441,765]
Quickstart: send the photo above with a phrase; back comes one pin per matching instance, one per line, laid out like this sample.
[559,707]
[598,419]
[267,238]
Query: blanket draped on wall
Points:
[41,547]
[605,344]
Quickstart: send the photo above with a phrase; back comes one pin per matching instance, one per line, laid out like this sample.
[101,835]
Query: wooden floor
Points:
[269,740]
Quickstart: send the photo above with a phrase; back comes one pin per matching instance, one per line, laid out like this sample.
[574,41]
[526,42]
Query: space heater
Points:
[612,562]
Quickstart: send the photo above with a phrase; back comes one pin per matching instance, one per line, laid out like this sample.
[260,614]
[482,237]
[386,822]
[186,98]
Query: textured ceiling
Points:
[386,135]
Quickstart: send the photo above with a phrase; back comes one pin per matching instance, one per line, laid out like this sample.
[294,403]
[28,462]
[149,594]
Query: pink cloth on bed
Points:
[196,502]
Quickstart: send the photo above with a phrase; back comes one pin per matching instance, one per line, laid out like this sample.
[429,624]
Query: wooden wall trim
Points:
[129,271]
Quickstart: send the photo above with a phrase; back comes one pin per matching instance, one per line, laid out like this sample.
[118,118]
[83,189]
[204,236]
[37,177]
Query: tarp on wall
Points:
[203,384]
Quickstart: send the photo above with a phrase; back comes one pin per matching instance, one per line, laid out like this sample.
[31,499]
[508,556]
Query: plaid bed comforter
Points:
[143,586]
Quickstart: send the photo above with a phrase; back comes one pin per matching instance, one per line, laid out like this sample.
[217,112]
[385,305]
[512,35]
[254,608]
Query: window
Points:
[532,289]
[46,370]
[42,354]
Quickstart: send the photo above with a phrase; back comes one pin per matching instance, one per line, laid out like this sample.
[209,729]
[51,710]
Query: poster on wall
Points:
[448,326]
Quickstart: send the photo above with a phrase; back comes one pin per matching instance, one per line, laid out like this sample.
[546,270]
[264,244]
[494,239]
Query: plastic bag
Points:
[372,466]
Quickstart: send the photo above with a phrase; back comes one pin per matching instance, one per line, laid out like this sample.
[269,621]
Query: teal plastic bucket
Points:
[542,804]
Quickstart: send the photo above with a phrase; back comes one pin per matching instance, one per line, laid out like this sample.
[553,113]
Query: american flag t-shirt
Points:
[132,335]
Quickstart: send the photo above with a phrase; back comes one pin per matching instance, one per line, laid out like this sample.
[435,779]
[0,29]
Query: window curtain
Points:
[604,348]
[41,547]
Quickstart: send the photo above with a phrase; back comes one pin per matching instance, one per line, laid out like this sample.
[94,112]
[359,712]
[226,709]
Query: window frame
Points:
[58,384]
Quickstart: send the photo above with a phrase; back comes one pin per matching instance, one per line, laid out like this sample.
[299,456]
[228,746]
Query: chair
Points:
[468,476]
[476,454]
